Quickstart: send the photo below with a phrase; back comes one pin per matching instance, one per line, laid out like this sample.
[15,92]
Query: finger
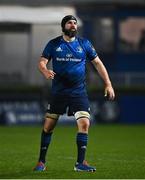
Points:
[52,76]
[105,93]
[112,96]
[108,95]
[53,73]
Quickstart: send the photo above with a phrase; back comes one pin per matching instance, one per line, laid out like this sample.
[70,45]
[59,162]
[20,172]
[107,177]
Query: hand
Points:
[49,74]
[109,92]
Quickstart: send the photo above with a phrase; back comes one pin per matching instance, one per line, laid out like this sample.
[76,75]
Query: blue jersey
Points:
[69,63]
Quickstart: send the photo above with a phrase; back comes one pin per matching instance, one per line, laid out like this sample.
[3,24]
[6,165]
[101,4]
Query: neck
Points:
[68,39]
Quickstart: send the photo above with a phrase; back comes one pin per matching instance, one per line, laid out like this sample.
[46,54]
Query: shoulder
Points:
[53,42]
[82,39]
[84,42]
[56,40]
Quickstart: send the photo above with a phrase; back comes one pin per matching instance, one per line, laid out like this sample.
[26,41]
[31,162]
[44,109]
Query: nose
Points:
[73,25]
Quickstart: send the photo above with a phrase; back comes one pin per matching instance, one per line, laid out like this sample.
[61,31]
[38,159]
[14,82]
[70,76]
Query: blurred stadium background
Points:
[117,31]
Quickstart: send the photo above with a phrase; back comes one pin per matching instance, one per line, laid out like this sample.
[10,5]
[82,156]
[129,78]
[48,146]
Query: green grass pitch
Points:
[117,151]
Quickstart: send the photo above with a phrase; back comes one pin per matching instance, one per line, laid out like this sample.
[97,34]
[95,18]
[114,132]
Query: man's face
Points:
[71,28]
[71,25]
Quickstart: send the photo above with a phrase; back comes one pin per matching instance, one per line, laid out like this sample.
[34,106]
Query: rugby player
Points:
[69,55]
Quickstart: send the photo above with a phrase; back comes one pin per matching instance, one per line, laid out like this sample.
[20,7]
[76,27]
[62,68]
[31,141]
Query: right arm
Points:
[42,66]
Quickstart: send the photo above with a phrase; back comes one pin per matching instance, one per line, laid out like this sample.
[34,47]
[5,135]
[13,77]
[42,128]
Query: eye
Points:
[72,22]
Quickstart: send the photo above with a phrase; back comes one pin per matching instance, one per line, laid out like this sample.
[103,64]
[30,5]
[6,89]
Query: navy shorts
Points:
[69,105]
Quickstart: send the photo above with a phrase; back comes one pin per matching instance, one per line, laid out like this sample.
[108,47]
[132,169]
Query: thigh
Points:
[57,105]
[78,104]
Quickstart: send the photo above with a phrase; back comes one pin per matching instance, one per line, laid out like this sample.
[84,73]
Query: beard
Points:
[70,33]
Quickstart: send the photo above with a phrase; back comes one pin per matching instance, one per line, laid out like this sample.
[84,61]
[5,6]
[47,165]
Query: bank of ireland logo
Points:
[68,55]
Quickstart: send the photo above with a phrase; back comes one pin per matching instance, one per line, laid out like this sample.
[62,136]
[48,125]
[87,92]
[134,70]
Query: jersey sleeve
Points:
[90,51]
[47,51]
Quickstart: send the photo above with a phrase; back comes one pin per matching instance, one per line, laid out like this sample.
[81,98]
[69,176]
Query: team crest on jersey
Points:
[79,49]
[59,49]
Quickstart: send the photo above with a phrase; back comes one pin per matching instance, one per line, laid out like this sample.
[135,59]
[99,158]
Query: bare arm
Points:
[42,66]
[99,66]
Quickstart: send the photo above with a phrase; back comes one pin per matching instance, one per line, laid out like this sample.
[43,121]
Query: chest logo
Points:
[68,55]
[79,49]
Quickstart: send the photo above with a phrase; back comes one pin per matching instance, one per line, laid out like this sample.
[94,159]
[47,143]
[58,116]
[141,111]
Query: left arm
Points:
[99,66]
